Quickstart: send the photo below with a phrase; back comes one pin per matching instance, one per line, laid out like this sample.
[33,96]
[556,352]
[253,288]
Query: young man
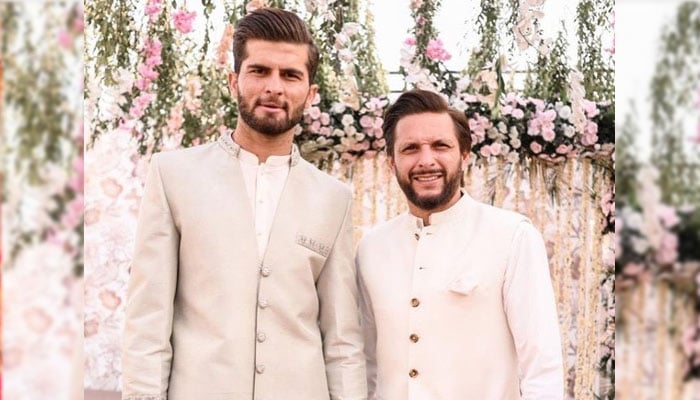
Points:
[455,295]
[243,284]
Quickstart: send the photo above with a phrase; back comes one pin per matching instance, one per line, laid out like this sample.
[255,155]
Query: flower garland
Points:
[53,169]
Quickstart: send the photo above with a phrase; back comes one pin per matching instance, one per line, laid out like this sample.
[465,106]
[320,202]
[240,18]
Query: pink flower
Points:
[224,48]
[536,147]
[591,128]
[153,9]
[183,20]
[325,118]
[79,22]
[254,5]
[589,139]
[668,249]
[140,104]
[548,133]
[410,41]
[366,121]
[147,72]
[667,215]
[436,52]
[495,149]
[64,39]
[591,108]
[175,119]
[73,213]
[485,151]
[314,112]
[633,269]
[696,139]
[564,149]
[607,203]
[518,113]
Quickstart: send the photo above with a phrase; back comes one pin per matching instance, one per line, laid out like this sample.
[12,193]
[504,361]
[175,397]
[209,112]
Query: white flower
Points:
[502,127]
[351,28]
[347,120]
[514,132]
[346,55]
[639,244]
[338,108]
[512,157]
[515,143]
[341,40]
[569,131]
[565,112]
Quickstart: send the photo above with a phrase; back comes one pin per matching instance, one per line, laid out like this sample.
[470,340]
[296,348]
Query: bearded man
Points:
[455,295]
[243,284]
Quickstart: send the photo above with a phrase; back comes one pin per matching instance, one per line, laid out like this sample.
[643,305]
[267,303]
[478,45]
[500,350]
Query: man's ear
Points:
[465,160]
[233,85]
[390,162]
[313,89]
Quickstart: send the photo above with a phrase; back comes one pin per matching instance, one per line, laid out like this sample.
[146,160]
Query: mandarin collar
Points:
[234,149]
[443,217]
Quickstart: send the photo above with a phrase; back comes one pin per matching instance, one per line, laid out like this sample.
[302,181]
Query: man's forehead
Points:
[426,127]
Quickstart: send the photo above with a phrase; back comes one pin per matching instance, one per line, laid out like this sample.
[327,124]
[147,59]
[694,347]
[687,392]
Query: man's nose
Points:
[426,157]
[273,84]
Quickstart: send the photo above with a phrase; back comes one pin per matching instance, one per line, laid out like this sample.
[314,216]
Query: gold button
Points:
[414,302]
[414,338]
[413,373]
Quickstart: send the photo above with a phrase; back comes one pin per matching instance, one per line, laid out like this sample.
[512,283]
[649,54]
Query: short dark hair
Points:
[419,101]
[275,25]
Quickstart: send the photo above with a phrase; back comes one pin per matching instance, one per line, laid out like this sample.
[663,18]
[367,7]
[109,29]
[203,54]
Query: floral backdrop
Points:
[657,232]
[155,81]
[543,133]
[42,200]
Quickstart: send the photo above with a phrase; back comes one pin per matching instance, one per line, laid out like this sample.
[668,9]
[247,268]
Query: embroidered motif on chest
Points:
[313,244]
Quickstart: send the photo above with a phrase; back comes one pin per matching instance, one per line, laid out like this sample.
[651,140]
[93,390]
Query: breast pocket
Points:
[464,285]
[315,251]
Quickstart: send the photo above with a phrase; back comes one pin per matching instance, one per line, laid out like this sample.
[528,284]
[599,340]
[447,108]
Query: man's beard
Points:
[429,203]
[269,126]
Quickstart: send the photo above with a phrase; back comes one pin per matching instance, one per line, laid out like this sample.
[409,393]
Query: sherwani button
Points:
[261,337]
[415,302]
[262,303]
[265,271]
[414,338]
[260,368]
[413,373]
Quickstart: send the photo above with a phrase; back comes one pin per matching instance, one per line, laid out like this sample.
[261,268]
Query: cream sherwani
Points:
[209,319]
[460,309]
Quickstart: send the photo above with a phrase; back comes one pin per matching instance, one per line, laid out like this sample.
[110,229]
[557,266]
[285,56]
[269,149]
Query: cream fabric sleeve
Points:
[339,318]
[147,350]
[531,311]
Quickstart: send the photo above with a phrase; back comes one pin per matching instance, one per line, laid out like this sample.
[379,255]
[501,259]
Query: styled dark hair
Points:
[275,25]
[419,101]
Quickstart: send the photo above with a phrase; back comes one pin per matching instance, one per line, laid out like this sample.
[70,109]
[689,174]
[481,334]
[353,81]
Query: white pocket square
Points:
[463,285]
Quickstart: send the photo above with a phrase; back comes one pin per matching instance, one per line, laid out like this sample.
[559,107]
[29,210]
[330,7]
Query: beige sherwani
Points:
[207,319]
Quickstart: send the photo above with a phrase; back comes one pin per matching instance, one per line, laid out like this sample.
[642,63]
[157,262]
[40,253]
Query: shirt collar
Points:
[451,214]
[235,150]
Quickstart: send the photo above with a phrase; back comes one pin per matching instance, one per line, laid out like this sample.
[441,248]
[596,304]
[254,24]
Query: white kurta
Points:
[460,309]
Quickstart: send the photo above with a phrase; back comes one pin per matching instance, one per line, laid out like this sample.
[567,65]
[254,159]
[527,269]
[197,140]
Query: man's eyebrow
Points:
[293,71]
[260,66]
